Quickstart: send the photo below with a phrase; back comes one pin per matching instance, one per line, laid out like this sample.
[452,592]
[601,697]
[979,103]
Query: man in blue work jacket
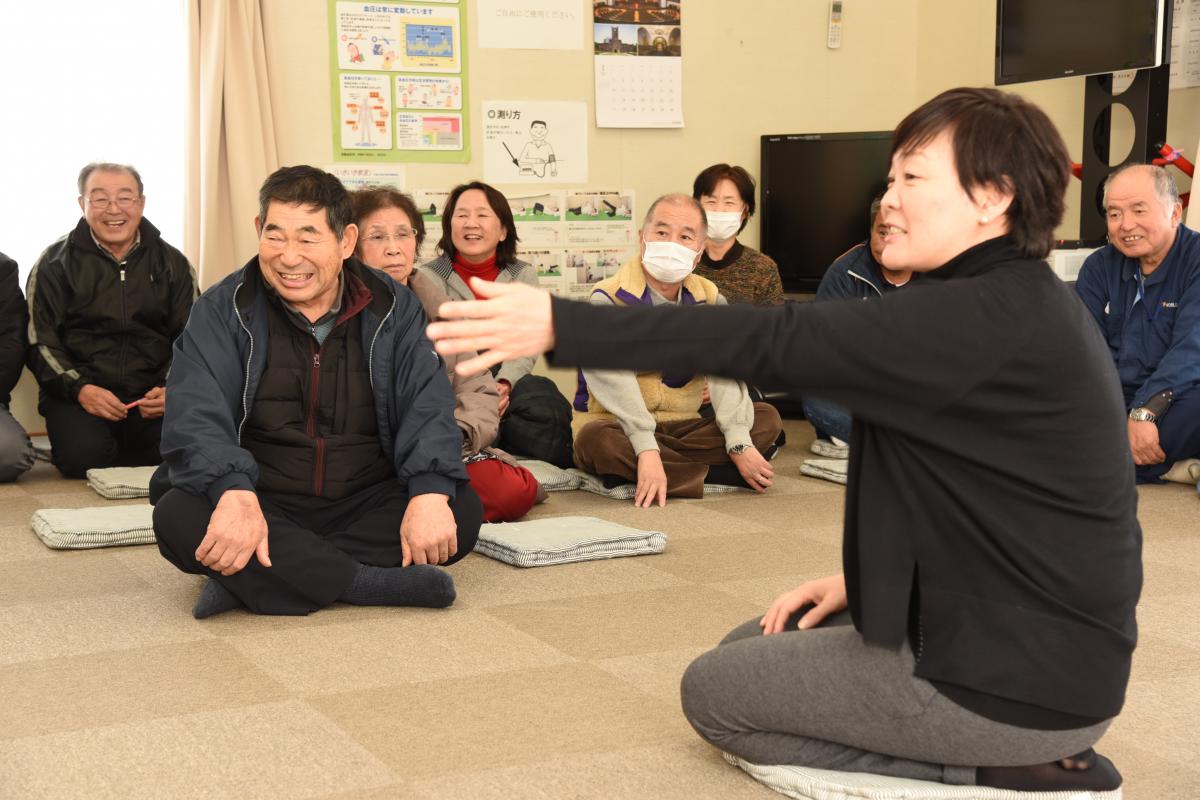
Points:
[1143,288]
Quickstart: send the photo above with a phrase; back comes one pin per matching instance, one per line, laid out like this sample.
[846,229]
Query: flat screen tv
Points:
[816,191]
[1040,39]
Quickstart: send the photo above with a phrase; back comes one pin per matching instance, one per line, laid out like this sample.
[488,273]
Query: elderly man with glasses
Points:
[106,301]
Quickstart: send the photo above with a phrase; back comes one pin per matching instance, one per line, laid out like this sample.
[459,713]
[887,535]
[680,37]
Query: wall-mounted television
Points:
[816,197]
[1040,39]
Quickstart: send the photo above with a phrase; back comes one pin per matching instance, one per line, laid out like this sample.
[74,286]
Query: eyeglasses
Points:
[401,236]
[102,202]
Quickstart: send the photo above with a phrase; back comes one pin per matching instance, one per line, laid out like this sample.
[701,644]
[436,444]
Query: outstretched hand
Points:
[515,321]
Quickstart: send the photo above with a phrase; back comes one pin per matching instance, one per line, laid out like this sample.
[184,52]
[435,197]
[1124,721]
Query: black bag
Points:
[537,423]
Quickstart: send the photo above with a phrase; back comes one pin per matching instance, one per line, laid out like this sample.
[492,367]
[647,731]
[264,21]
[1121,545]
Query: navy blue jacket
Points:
[855,274]
[220,357]
[1155,343]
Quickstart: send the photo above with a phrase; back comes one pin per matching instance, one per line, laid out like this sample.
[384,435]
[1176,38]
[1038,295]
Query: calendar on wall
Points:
[638,47]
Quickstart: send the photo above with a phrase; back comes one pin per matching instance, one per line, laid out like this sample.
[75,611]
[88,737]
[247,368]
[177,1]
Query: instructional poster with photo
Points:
[601,218]
[549,266]
[527,141]
[638,50]
[539,218]
[399,81]
[574,237]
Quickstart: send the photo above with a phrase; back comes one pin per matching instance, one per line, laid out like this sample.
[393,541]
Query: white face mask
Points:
[723,225]
[668,262]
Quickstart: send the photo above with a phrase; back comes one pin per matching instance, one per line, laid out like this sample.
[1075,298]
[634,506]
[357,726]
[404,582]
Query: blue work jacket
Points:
[1155,340]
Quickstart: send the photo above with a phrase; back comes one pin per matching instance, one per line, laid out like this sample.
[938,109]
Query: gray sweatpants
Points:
[16,451]
[824,698]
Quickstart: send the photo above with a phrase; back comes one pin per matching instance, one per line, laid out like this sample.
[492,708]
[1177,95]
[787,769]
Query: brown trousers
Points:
[687,448]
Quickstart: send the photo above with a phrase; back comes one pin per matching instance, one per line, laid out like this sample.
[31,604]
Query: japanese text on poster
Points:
[531,24]
[534,141]
[399,81]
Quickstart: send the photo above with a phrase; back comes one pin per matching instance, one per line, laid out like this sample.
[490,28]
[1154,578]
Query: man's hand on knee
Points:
[826,595]
[651,480]
[102,403]
[428,532]
[237,530]
[1143,442]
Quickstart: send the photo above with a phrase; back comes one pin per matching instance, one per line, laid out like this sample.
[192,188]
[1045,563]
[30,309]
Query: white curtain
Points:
[231,133]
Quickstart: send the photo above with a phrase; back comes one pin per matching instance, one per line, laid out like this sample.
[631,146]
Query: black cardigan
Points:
[990,509]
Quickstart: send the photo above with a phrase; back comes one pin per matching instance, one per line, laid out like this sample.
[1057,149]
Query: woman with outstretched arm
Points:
[982,630]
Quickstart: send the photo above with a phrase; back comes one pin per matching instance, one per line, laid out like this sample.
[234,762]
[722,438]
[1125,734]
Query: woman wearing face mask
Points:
[982,631]
[479,240]
[743,274]
[390,231]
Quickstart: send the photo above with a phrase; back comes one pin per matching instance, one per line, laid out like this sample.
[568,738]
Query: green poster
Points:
[399,81]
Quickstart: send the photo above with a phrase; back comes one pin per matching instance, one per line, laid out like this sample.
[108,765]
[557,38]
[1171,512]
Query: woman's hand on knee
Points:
[826,595]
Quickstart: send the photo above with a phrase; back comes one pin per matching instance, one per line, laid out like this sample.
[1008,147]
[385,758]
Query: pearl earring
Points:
[983,220]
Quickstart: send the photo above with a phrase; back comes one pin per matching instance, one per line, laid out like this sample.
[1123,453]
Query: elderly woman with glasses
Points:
[390,233]
[982,630]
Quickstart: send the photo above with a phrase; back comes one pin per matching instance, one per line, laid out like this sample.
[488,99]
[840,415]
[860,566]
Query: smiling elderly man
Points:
[647,427]
[105,303]
[1143,288]
[311,454]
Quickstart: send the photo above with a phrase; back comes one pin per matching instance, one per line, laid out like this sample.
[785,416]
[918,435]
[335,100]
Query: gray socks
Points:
[214,599]
[421,585]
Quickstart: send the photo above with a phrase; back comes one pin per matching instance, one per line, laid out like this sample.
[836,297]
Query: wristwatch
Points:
[738,449]
[1143,415]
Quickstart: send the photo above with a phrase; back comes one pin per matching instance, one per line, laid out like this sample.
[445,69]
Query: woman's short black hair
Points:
[368,200]
[706,183]
[1000,140]
[506,251]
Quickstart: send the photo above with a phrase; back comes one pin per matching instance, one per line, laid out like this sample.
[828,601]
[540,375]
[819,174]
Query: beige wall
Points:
[750,68]
[763,68]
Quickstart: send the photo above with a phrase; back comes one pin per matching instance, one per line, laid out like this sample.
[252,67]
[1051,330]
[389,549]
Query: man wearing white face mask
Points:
[743,274]
[646,427]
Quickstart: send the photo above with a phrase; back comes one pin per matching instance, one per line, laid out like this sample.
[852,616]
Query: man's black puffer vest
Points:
[312,428]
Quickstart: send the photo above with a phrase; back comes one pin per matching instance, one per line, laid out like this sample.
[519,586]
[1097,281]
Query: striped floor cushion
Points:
[551,478]
[85,528]
[828,469]
[120,483]
[563,540]
[626,491]
[806,783]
